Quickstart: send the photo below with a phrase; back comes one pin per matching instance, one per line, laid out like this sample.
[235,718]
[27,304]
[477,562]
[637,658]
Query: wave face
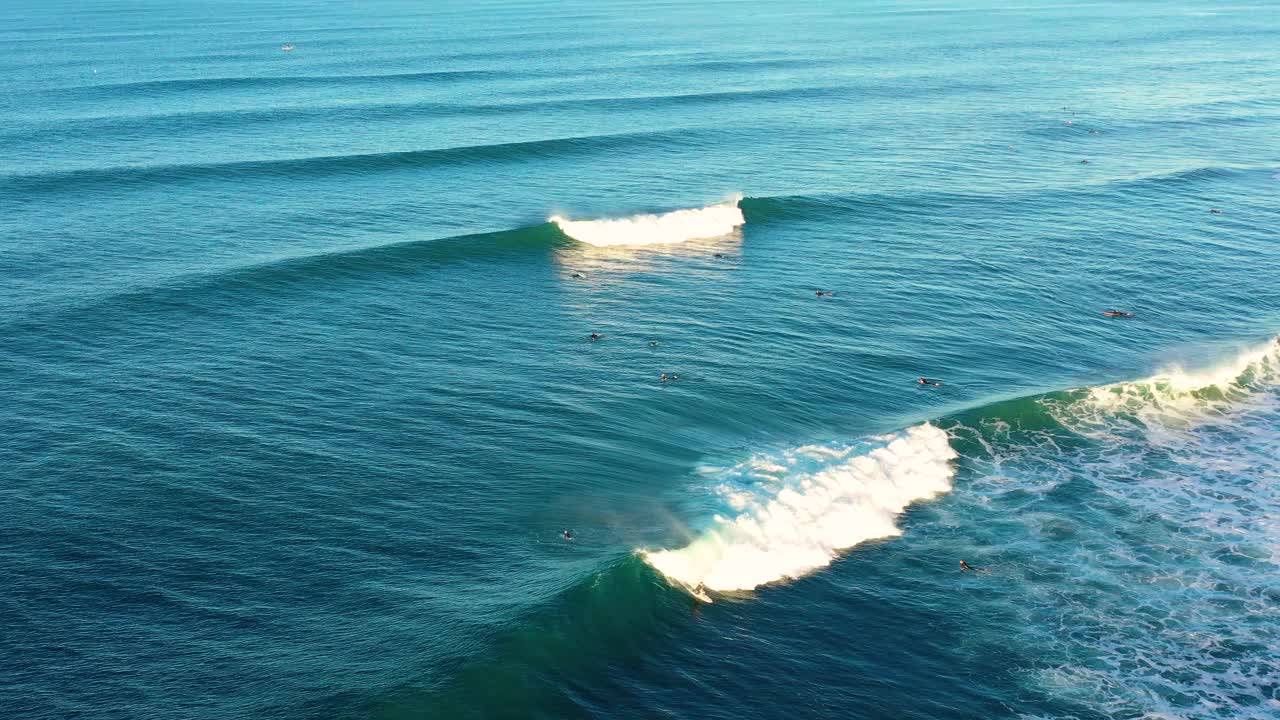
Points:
[673,227]
[796,511]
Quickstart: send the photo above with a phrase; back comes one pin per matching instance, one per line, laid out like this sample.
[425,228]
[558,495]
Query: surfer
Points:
[1084,162]
[720,255]
[653,343]
[824,293]
[569,536]
[965,567]
[672,377]
[1117,313]
[927,381]
[595,336]
[578,276]
[1215,211]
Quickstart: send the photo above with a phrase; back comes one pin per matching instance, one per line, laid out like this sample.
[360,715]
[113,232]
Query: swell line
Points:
[171,123]
[187,85]
[302,270]
[316,166]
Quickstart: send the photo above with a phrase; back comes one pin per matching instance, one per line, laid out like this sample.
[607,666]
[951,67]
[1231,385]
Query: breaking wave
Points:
[673,227]
[794,512]
[1172,399]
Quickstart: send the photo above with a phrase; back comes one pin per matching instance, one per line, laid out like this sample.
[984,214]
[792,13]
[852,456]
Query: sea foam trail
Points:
[792,513]
[673,227]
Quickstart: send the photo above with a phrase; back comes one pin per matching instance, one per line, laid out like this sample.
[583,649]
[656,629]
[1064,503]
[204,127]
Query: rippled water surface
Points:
[298,389]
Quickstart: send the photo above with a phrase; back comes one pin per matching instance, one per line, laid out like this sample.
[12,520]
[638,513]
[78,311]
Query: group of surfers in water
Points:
[929,382]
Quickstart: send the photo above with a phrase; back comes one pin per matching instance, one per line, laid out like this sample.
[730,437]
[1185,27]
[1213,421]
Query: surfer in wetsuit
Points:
[1117,313]
[569,536]
[927,381]
[965,567]
[595,336]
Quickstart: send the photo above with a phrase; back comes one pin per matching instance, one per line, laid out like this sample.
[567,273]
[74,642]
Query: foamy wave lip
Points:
[821,503]
[673,227]
[1176,393]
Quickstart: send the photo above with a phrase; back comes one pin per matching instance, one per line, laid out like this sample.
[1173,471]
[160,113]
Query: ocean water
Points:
[297,390]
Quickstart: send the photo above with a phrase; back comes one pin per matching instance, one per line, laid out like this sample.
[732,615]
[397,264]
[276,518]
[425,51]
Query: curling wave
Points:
[795,512]
[1174,398]
[673,227]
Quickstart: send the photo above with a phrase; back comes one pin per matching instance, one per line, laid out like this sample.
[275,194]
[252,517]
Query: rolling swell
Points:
[174,123]
[235,284]
[328,165]
[798,207]
[151,88]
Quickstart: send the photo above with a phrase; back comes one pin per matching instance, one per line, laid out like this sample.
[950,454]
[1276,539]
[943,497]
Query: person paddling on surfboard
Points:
[1117,313]
[567,535]
[927,381]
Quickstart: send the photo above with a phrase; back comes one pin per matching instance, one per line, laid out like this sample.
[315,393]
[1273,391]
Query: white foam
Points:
[1155,546]
[800,522]
[1176,396]
[673,227]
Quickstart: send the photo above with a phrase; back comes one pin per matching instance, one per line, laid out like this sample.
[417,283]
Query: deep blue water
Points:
[297,390]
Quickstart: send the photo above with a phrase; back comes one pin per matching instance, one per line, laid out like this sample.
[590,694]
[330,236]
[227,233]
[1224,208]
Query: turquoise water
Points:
[298,391]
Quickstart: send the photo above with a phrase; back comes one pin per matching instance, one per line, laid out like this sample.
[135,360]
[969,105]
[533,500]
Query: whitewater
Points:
[646,229]
[797,510]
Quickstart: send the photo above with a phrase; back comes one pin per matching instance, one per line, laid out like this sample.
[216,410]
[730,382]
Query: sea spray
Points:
[1174,397]
[673,227]
[794,513]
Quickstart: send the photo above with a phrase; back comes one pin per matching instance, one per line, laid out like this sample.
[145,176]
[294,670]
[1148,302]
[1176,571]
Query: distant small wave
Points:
[673,227]
[187,122]
[275,82]
[321,165]
[796,512]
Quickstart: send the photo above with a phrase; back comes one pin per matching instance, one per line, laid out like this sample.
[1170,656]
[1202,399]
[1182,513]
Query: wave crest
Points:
[795,512]
[1172,399]
[673,227]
